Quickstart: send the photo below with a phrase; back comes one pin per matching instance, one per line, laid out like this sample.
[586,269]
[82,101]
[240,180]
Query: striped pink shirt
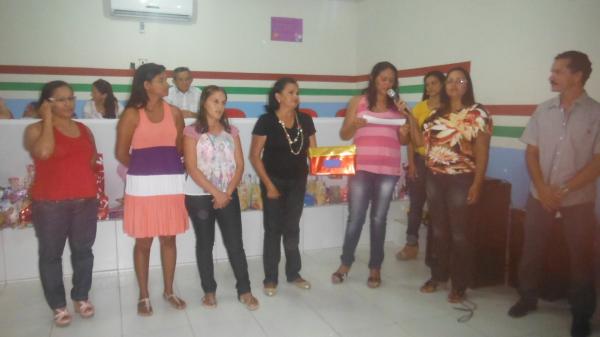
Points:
[377,146]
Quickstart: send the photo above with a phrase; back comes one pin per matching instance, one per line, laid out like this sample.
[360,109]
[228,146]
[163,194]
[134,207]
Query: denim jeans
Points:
[364,188]
[578,224]
[418,196]
[54,222]
[203,215]
[281,218]
[452,252]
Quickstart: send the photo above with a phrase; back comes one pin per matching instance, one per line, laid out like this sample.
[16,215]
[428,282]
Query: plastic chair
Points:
[309,112]
[234,113]
[341,113]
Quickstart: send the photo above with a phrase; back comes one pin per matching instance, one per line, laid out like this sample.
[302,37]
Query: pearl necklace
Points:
[299,136]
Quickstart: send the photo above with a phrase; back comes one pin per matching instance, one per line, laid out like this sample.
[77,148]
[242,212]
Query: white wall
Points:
[229,35]
[511,43]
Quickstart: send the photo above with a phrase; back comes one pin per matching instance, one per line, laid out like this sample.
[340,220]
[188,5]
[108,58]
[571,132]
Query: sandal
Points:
[144,308]
[209,301]
[456,296]
[249,301]
[85,309]
[337,277]
[374,282]
[175,301]
[429,287]
[62,317]
[302,283]
[270,289]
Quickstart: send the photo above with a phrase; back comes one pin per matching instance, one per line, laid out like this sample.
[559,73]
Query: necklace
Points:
[299,136]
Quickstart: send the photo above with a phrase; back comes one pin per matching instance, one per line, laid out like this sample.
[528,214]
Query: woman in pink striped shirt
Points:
[378,166]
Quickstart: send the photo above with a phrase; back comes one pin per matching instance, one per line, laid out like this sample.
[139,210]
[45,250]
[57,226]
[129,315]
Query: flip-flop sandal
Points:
[175,301]
[144,308]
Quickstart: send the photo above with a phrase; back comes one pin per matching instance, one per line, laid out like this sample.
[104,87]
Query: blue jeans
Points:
[452,252]
[54,222]
[203,215]
[418,196]
[364,188]
[281,218]
[578,224]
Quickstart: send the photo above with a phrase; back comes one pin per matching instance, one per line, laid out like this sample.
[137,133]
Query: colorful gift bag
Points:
[100,195]
[328,160]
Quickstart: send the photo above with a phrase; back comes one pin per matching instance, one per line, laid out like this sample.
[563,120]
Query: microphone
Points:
[394,95]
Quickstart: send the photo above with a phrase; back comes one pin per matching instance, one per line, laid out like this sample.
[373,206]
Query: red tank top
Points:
[68,173]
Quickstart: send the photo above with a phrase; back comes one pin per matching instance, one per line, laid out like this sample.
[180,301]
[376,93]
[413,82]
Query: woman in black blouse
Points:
[280,142]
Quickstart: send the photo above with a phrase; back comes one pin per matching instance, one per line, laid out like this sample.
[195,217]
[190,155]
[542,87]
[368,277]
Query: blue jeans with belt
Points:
[366,188]
[54,222]
[452,252]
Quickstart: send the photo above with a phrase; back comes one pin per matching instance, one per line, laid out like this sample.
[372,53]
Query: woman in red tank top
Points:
[64,198]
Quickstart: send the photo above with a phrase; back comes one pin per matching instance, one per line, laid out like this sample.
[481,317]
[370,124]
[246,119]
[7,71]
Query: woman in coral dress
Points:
[149,143]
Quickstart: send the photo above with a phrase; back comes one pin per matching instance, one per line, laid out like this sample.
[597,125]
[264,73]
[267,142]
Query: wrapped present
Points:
[330,160]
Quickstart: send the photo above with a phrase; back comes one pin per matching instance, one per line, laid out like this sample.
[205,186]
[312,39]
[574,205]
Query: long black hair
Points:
[437,74]
[202,121]
[110,103]
[146,72]
[273,104]
[371,91]
[48,90]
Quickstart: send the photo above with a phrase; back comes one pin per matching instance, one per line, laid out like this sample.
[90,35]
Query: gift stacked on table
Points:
[332,160]
[15,205]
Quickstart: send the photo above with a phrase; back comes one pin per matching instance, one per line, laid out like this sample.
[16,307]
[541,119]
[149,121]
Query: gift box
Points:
[329,160]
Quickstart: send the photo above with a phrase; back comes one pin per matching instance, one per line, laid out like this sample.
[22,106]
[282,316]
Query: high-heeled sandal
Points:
[302,283]
[144,308]
[270,289]
[175,301]
[374,282]
[85,309]
[429,287]
[337,277]
[209,301]
[249,301]
[62,317]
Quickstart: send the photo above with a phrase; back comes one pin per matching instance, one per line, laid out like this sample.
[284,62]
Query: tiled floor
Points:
[350,309]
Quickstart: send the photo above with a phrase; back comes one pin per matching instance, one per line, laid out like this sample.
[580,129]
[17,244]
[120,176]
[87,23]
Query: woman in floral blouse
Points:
[457,138]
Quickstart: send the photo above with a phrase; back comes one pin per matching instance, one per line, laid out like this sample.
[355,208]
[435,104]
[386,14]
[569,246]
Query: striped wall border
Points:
[501,112]
[82,71]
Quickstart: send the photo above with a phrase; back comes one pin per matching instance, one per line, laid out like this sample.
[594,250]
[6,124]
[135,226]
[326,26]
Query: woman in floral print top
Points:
[457,138]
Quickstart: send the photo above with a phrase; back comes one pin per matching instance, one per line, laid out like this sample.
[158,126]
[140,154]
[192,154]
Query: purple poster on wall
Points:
[286,29]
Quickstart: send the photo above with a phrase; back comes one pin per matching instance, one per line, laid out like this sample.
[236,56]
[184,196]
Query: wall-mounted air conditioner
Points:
[173,10]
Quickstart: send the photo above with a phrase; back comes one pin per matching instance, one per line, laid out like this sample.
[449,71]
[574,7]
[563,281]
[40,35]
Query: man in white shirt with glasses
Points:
[182,94]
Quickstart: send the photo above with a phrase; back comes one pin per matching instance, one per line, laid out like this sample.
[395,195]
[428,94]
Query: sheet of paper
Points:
[384,121]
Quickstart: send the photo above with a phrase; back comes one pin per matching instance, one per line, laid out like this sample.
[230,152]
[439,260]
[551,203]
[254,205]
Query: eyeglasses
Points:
[458,81]
[62,99]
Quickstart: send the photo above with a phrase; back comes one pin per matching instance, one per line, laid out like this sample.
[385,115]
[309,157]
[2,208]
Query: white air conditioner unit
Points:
[173,10]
